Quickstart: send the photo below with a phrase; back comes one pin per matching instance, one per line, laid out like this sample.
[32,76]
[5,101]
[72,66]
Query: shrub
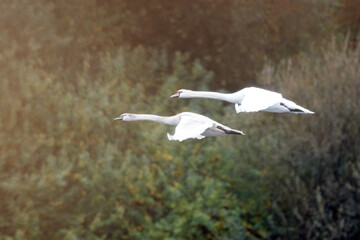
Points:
[312,167]
[68,171]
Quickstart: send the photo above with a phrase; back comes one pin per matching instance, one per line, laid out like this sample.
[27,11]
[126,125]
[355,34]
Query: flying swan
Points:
[250,99]
[188,125]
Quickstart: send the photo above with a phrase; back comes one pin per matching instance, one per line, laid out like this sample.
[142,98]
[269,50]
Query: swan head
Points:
[126,117]
[182,93]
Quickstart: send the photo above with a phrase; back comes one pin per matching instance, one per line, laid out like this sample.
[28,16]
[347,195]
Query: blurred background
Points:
[68,171]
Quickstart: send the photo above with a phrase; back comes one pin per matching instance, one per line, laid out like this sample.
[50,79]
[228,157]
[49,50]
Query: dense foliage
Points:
[232,38]
[68,171]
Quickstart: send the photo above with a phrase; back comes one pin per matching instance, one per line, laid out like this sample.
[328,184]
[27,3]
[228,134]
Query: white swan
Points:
[188,125]
[250,99]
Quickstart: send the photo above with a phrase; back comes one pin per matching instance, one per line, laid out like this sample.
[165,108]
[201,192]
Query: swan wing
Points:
[190,127]
[256,99]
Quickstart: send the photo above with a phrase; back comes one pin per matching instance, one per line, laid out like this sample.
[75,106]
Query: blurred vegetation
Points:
[67,171]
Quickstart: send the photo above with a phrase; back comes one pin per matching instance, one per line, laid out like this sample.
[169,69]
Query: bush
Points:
[313,164]
[68,171]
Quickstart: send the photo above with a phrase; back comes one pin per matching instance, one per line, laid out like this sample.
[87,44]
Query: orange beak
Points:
[176,95]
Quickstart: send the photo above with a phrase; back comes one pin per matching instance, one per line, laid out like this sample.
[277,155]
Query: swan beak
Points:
[119,118]
[176,95]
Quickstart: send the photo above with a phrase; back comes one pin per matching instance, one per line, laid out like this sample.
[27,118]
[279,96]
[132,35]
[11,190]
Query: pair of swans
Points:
[193,125]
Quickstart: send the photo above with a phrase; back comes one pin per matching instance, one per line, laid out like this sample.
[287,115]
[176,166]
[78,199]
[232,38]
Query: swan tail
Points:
[230,131]
[235,132]
[306,111]
[294,108]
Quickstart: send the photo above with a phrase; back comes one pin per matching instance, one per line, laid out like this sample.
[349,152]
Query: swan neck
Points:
[212,95]
[155,118]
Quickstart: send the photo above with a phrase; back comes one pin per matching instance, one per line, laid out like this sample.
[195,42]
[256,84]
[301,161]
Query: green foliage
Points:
[317,196]
[68,171]
[311,163]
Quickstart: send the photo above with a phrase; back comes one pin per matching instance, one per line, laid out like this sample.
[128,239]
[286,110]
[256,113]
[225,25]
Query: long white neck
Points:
[228,97]
[172,120]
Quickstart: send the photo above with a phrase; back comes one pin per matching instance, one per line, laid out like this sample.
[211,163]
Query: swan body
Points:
[188,125]
[250,99]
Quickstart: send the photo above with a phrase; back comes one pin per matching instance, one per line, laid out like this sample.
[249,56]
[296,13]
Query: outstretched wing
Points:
[190,127]
[256,99]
